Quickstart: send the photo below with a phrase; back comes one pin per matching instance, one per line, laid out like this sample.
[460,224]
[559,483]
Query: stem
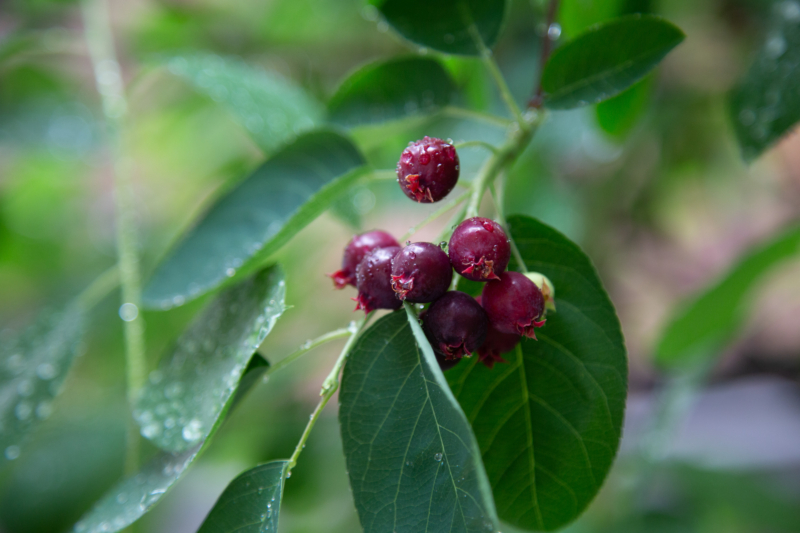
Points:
[308,346]
[482,144]
[99,288]
[436,214]
[469,114]
[498,203]
[538,98]
[108,79]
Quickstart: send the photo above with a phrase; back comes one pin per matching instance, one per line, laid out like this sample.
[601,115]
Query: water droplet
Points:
[554,31]
[192,431]
[23,410]
[791,11]
[230,272]
[437,457]
[43,410]
[173,390]
[776,45]
[122,498]
[25,388]
[128,312]
[151,431]
[12,452]
[15,363]
[156,376]
[178,300]
[169,423]
[46,371]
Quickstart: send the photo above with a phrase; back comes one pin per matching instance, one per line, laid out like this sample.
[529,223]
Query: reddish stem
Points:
[538,98]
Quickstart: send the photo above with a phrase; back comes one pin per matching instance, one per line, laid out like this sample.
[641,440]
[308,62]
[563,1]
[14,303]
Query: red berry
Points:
[479,249]
[514,304]
[355,251]
[428,170]
[421,273]
[455,325]
[496,344]
[374,281]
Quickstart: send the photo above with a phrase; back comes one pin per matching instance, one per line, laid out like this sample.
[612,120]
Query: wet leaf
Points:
[393,89]
[606,60]
[192,387]
[446,25]
[250,503]
[33,366]
[699,328]
[249,223]
[271,108]
[549,420]
[766,104]
[411,456]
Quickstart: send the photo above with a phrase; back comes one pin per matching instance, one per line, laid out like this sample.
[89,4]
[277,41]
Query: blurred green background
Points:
[654,189]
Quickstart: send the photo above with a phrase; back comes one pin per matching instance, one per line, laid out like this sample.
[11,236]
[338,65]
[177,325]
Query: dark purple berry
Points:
[496,344]
[514,304]
[445,364]
[421,273]
[428,170]
[355,251]
[455,325]
[374,281]
[479,249]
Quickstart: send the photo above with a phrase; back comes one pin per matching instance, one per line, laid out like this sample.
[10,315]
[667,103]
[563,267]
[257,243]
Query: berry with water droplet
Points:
[455,325]
[479,249]
[357,248]
[428,170]
[514,304]
[421,273]
[374,281]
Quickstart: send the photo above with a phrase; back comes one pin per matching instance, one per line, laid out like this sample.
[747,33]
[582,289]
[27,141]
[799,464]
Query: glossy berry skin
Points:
[514,304]
[421,273]
[357,248]
[479,249]
[428,170]
[455,325]
[374,281]
[496,344]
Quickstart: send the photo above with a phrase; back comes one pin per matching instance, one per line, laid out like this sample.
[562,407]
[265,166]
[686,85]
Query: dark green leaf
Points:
[251,503]
[388,90]
[411,456]
[700,328]
[607,59]
[619,114]
[256,218]
[446,25]
[549,421]
[33,366]
[269,107]
[192,387]
[766,103]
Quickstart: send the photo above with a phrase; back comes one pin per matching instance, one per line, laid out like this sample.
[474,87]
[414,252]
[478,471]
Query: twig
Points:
[537,100]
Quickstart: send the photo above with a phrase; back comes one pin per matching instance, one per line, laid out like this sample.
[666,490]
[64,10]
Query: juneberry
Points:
[374,281]
[479,249]
[355,251]
[514,304]
[455,325]
[496,344]
[421,273]
[428,170]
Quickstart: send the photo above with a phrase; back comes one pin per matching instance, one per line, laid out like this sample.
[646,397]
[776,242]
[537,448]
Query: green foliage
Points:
[698,329]
[618,115]
[576,16]
[251,503]
[33,366]
[765,104]
[448,26]
[549,421]
[411,455]
[606,60]
[391,89]
[257,217]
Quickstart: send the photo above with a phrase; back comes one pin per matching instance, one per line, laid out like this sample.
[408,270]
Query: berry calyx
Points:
[428,170]
[421,273]
[514,304]
[354,252]
[479,249]
[496,344]
[455,325]
[374,281]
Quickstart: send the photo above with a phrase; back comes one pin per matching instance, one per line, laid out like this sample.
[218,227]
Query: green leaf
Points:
[388,90]
[250,503]
[577,15]
[186,396]
[618,115]
[411,456]
[446,25]
[33,366]
[698,329]
[606,60]
[256,218]
[765,105]
[549,421]
[272,109]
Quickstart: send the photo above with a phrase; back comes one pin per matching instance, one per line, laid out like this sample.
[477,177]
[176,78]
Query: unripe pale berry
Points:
[355,251]
[428,170]
[455,325]
[374,281]
[514,304]
[421,273]
[479,249]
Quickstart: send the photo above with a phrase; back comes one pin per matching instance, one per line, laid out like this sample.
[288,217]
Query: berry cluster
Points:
[511,305]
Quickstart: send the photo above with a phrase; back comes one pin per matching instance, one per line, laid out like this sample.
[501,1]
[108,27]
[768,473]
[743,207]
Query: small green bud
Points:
[546,286]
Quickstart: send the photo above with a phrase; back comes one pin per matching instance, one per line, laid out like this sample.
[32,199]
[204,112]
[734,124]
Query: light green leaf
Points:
[549,420]
[272,109]
[618,115]
[606,60]
[411,456]
[250,503]
[577,15]
[700,328]
[446,25]
[192,388]
[388,90]
[765,104]
[33,366]
[251,222]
